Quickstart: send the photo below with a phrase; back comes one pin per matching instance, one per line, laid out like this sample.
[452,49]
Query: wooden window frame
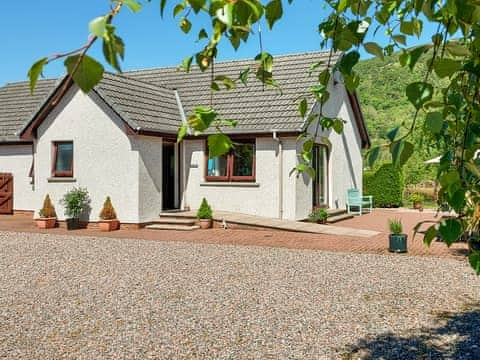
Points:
[229,177]
[55,173]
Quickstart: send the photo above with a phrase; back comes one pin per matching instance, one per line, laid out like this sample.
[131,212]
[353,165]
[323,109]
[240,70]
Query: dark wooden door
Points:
[168,186]
[6,193]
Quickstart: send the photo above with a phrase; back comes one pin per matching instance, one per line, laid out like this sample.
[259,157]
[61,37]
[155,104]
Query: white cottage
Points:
[120,140]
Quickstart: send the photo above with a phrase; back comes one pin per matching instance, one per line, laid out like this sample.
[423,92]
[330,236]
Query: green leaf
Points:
[162,6]
[446,67]
[244,76]
[178,9]
[187,63]
[419,93]
[434,122]
[226,81]
[89,72]
[406,153]
[133,5]
[273,12]
[97,26]
[401,39]
[196,4]
[35,72]
[182,132]
[338,126]
[374,49]
[455,49]
[113,47]
[324,77]
[202,34]
[348,61]
[392,134]
[474,260]
[303,107]
[372,156]
[450,230]
[202,118]
[185,25]
[430,234]
[218,144]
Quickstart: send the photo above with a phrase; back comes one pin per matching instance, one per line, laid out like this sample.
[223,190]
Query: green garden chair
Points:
[356,203]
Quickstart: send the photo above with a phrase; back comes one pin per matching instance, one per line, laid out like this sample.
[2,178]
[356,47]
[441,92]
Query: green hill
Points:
[384,105]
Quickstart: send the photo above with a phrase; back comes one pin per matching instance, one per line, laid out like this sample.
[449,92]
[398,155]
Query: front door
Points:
[6,194]
[319,163]
[168,178]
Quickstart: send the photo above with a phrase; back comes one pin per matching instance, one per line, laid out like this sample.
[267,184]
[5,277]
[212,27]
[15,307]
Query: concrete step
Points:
[174,221]
[177,214]
[172,227]
[340,217]
[335,212]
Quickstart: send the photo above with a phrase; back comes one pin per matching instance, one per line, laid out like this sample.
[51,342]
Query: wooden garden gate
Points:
[6,193]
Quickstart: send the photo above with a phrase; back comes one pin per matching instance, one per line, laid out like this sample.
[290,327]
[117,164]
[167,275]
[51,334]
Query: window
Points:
[237,165]
[62,159]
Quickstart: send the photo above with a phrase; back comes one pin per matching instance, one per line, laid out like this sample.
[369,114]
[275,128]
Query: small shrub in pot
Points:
[417,200]
[108,217]
[397,240]
[318,215]
[48,215]
[204,215]
[75,201]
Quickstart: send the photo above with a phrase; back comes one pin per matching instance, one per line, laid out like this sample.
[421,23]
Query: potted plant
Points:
[76,201]
[48,216]
[318,215]
[204,215]
[108,217]
[397,240]
[417,200]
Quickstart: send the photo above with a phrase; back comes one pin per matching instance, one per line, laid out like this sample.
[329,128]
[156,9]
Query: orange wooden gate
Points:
[6,193]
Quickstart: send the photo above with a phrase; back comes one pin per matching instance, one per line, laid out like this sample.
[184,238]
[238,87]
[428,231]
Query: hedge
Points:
[385,185]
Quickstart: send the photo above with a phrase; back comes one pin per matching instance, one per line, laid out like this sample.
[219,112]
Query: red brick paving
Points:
[375,221]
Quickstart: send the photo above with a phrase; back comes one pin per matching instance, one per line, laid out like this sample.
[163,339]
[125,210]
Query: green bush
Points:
[395,226]
[385,185]
[205,211]
[75,202]
[318,215]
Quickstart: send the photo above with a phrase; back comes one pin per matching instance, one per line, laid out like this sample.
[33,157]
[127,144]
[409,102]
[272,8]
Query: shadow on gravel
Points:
[457,337]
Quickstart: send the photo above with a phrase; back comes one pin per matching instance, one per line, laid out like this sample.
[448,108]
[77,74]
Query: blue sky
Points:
[34,29]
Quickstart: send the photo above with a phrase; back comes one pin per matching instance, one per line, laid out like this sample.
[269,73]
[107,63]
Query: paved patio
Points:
[377,221]
[280,224]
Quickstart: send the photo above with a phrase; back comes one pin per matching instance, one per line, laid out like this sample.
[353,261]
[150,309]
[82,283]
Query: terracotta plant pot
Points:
[205,223]
[108,225]
[418,205]
[46,223]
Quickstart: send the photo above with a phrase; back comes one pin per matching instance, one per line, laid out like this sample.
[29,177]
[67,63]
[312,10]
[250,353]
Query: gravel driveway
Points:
[62,296]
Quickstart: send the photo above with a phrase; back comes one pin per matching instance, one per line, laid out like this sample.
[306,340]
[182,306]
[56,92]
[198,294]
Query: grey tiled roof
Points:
[17,106]
[257,109]
[140,104]
[146,99]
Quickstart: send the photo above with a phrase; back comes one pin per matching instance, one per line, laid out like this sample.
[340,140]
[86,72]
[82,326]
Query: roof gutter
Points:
[182,111]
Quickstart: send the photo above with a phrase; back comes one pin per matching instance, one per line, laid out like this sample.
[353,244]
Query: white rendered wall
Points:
[345,163]
[150,177]
[259,198]
[106,161]
[17,159]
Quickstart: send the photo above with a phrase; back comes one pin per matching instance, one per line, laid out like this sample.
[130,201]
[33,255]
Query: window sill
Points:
[230,184]
[61,180]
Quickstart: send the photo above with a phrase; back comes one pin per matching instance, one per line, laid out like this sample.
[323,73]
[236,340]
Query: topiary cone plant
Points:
[48,216]
[204,215]
[108,217]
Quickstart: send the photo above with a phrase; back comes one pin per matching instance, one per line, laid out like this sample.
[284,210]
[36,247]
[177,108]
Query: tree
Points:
[451,108]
